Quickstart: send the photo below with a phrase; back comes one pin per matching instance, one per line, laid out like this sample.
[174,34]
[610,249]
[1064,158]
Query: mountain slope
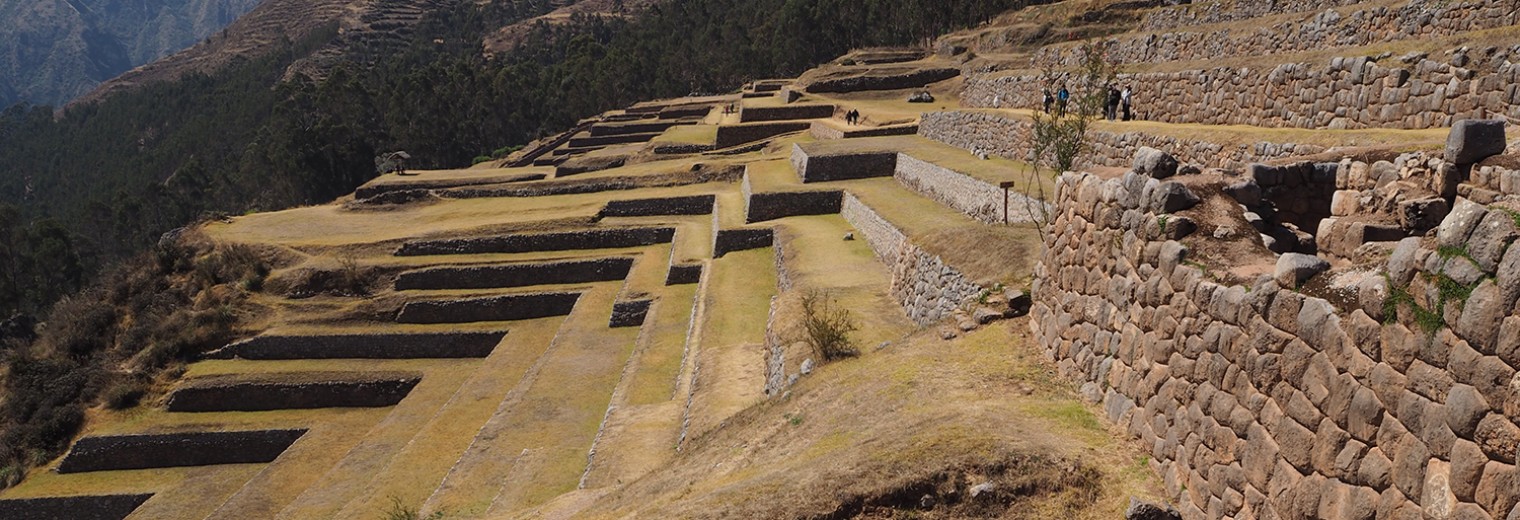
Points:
[52,51]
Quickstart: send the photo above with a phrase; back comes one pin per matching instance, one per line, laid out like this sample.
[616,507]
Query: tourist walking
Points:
[1111,109]
[1124,100]
[1046,99]
[1062,97]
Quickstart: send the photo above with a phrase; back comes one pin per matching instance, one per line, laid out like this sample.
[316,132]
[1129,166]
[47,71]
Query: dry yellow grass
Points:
[863,426]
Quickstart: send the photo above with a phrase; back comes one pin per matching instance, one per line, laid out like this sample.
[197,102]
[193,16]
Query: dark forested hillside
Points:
[118,173]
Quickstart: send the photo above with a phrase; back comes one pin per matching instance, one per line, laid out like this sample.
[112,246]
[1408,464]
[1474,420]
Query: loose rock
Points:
[1294,269]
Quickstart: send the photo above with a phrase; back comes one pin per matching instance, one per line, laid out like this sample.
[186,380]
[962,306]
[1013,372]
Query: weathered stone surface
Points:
[1498,437]
[1489,240]
[1459,224]
[1436,497]
[1473,140]
[1141,510]
[1246,192]
[1403,263]
[1465,407]
[1154,163]
[1293,269]
[1467,461]
[1499,488]
[1422,215]
[1171,197]
[1410,458]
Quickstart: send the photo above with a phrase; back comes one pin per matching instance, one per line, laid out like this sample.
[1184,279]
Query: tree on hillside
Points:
[1056,141]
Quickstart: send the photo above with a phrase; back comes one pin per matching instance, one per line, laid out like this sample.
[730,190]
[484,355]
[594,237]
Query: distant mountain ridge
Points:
[52,51]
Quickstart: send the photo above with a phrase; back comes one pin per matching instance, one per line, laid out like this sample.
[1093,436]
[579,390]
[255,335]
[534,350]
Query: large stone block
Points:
[1473,140]
[1459,224]
[1154,163]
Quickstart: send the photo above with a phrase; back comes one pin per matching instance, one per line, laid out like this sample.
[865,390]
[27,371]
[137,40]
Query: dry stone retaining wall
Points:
[1491,183]
[785,113]
[1261,402]
[516,275]
[1329,28]
[735,135]
[95,507]
[689,205]
[1353,92]
[812,166]
[761,207]
[164,450]
[976,198]
[629,313]
[1006,136]
[926,287]
[683,274]
[509,307]
[726,241]
[1220,11]
[364,346]
[822,130]
[343,391]
[528,243]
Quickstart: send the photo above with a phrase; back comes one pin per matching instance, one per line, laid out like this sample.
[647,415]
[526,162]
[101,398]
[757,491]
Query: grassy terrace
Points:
[534,446]
[481,174]
[331,225]
[730,349]
[1245,135]
[818,258]
[689,134]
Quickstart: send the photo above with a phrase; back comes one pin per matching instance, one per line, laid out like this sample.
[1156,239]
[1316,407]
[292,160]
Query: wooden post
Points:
[1006,185]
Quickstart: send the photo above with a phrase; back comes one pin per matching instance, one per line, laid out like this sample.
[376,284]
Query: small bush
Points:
[400,512]
[480,159]
[828,326]
[351,279]
[124,394]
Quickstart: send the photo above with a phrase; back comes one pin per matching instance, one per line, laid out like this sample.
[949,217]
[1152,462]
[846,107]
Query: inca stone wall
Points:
[90,507]
[510,307]
[166,450]
[1006,136]
[1220,11]
[1261,402]
[785,113]
[689,205]
[299,391]
[976,198]
[1326,29]
[735,135]
[1353,92]
[528,243]
[926,287]
[364,346]
[516,275]
[1491,183]
[821,130]
[815,166]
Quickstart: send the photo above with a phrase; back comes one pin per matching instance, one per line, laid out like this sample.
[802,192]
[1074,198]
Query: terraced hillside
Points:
[612,322]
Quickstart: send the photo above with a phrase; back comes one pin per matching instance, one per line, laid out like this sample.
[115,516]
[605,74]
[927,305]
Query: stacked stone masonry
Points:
[1350,27]
[92,507]
[1007,136]
[364,346]
[1262,402]
[1220,11]
[1352,92]
[510,307]
[978,199]
[926,287]
[165,450]
[293,391]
